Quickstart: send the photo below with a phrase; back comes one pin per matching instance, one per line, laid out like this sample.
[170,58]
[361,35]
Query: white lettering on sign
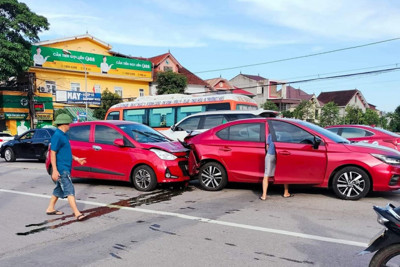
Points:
[74,95]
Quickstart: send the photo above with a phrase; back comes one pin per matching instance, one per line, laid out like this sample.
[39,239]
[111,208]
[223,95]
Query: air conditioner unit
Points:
[44,89]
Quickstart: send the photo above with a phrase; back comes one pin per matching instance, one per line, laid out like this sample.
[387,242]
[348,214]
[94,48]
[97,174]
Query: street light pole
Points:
[65,51]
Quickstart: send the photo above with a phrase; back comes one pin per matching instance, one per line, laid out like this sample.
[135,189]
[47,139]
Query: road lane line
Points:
[206,220]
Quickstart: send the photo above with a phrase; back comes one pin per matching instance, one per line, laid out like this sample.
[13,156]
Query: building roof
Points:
[340,98]
[215,82]
[191,78]
[242,92]
[254,77]
[293,93]
[83,36]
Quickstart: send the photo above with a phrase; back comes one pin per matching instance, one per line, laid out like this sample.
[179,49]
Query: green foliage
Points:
[329,114]
[394,124]
[169,82]
[370,117]
[287,114]
[269,105]
[354,115]
[108,99]
[303,111]
[18,28]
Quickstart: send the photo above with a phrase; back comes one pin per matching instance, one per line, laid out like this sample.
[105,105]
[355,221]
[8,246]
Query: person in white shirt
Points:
[104,66]
[38,59]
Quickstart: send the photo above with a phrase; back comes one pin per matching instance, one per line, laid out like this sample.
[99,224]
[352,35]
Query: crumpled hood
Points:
[172,147]
[370,148]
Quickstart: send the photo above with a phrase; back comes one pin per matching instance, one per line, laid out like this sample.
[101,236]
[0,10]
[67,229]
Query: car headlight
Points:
[386,159]
[163,154]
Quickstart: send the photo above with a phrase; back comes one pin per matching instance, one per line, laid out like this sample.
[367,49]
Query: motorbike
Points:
[387,241]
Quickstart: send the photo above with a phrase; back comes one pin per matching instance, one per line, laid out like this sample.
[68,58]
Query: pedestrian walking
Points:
[61,162]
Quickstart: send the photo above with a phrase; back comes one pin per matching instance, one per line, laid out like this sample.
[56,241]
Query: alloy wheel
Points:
[351,184]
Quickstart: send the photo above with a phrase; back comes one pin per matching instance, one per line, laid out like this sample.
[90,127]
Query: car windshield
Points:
[324,132]
[387,132]
[142,133]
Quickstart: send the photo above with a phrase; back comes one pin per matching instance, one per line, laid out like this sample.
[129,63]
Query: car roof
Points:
[257,112]
[112,122]
[351,126]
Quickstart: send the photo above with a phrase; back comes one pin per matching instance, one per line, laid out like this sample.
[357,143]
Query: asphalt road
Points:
[180,227]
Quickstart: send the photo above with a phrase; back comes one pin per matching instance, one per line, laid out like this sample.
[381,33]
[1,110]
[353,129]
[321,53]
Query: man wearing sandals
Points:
[61,161]
[270,163]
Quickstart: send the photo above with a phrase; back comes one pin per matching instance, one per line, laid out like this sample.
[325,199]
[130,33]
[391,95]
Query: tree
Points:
[269,105]
[303,111]
[329,114]
[108,99]
[370,117]
[19,27]
[354,115]
[394,124]
[169,82]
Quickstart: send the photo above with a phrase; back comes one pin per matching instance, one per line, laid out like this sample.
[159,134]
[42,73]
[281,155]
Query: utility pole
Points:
[31,94]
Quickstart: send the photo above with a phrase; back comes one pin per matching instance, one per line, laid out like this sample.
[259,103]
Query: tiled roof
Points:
[340,98]
[241,92]
[192,78]
[214,83]
[293,93]
[158,59]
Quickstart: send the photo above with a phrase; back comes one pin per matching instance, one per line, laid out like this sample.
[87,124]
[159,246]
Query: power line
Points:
[304,56]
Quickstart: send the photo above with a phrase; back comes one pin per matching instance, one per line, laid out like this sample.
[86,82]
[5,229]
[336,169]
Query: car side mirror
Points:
[317,142]
[119,142]
[173,128]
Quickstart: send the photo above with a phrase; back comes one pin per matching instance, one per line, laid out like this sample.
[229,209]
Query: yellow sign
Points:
[44,116]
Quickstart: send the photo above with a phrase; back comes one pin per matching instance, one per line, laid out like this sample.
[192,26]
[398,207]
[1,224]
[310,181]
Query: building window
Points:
[141,92]
[167,68]
[76,87]
[51,87]
[97,88]
[118,90]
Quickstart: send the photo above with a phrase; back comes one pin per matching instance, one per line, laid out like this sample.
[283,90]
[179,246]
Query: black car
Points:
[32,144]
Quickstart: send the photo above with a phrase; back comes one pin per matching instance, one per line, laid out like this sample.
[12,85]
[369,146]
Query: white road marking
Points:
[206,220]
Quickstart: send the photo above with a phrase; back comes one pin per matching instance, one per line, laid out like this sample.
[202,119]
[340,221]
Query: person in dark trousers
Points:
[270,164]
[61,162]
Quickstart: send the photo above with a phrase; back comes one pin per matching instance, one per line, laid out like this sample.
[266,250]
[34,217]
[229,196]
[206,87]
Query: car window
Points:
[251,132]
[189,124]
[233,117]
[106,135]
[213,120]
[355,132]
[41,134]
[289,133]
[5,135]
[79,133]
[28,135]
[334,130]
[113,115]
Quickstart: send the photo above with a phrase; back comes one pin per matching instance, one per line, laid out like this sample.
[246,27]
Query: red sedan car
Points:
[368,134]
[126,151]
[306,154]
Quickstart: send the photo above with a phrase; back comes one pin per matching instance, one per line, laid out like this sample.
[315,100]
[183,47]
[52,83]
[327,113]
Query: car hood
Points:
[370,148]
[172,147]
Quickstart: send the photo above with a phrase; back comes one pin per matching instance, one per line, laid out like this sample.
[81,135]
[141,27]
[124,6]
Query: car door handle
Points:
[225,148]
[284,153]
[97,148]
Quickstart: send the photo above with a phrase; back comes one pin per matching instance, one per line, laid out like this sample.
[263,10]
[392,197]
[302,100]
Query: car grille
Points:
[183,165]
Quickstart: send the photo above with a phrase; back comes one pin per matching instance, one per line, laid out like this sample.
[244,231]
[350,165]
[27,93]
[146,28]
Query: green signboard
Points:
[55,58]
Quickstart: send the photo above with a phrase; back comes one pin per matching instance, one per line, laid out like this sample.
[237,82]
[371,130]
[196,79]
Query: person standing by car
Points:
[61,160]
[270,164]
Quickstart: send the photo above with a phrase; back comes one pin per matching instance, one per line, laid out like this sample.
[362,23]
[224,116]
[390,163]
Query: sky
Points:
[284,40]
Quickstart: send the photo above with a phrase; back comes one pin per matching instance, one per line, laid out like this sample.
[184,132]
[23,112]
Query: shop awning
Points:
[79,113]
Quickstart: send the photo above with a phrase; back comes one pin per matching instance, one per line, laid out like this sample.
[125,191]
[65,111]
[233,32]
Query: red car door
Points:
[297,161]
[108,161]
[243,152]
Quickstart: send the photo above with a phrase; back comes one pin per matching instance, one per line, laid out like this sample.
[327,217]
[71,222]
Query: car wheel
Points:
[351,183]
[144,178]
[212,176]
[9,154]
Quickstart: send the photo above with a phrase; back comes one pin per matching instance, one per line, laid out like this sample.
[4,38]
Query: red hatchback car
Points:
[367,134]
[306,154]
[126,151]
